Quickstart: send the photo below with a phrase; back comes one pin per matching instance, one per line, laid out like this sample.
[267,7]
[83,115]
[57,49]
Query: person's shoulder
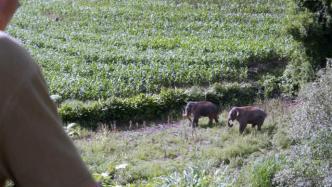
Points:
[11,47]
[14,57]
[7,39]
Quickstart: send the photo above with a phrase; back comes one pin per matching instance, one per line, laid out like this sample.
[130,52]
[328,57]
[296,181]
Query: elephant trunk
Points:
[229,124]
[186,114]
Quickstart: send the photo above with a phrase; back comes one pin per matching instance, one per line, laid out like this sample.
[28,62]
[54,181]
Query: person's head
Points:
[7,10]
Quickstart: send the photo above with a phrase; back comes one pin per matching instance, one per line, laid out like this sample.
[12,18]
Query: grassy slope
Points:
[98,49]
[88,53]
[168,151]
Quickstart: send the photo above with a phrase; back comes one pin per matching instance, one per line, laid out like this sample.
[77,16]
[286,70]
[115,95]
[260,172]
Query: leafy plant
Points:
[149,107]
[313,28]
[308,161]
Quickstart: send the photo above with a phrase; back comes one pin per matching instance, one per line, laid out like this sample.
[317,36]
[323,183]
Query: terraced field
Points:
[112,60]
[96,49]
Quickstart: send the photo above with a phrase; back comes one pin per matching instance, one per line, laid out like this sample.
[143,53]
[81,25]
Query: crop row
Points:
[100,49]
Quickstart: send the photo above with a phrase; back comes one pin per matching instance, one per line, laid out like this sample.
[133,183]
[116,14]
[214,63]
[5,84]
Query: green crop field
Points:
[119,69]
[91,50]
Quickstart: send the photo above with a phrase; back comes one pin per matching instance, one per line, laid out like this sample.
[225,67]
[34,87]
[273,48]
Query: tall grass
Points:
[172,156]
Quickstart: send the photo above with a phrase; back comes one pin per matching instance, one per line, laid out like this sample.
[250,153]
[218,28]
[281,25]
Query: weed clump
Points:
[260,173]
[309,159]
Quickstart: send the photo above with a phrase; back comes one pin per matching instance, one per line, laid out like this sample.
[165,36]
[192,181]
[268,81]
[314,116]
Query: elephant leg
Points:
[190,121]
[259,126]
[195,122]
[189,118]
[253,125]
[210,120]
[216,119]
[242,127]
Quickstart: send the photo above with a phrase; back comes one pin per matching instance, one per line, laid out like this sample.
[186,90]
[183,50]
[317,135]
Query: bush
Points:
[310,23]
[150,107]
[270,86]
[309,159]
[260,173]
[298,72]
[314,115]
[313,27]
[191,176]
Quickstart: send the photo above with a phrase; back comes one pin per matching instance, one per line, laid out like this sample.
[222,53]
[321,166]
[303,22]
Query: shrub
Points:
[149,107]
[309,160]
[314,115]
[281,139]
[191,176]
[297,73]
[260,173]
[310,23]
[263,173]
[270,86]
[312,26]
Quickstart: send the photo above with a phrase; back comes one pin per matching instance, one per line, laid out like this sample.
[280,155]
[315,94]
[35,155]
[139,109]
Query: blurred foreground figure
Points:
[34,149]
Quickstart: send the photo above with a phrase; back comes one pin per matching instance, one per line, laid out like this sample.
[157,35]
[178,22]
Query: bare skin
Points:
[7,10]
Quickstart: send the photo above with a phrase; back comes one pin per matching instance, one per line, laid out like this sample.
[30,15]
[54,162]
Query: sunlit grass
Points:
[153,152]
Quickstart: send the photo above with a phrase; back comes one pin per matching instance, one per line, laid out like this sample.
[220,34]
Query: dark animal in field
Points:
[199,109]
[247,115]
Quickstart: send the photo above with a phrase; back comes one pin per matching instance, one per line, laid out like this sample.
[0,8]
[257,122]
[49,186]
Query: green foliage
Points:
[314,115]
[312,26]
[194,177]
[263,173]
[148,107]
[231,94]
[270,85]
[297,73]
[260,173]
[282,140]
[85,112]
[169,156]
[243,146]
[91,50]
[114,49]
[309,160]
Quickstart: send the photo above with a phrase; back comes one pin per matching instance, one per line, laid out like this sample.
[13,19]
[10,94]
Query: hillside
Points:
[99,49]
[122,70]
[170,155]
[293,148]
[99,52]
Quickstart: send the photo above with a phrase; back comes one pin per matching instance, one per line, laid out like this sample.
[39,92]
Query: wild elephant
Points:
[199,109]
[247,115]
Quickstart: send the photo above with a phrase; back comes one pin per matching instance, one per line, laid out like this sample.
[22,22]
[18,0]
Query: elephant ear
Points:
[234,113]
[237,112]
[190,106]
